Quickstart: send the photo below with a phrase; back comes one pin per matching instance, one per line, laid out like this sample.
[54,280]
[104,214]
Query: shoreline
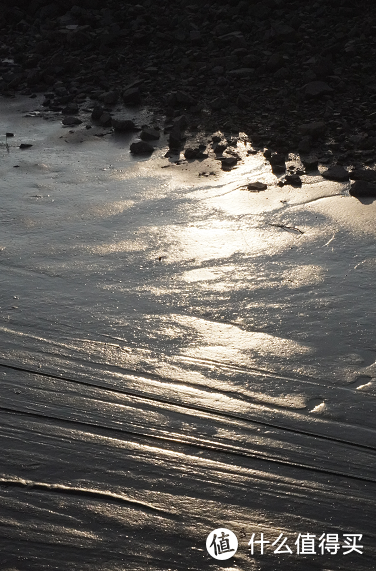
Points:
[276,71]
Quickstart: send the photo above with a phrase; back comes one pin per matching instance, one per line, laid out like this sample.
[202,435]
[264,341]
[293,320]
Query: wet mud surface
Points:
[179,354]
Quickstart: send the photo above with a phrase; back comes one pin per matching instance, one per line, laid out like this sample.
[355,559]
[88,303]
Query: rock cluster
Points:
[294,75]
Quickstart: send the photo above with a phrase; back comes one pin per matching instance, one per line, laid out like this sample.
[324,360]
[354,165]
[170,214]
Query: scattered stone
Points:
[275,62]
[257,186]
[179,98]
[218,148]
[314,129]
[97,112]
[105,119]
[195,36]
[277,159]
[191,154]
[278,169]
[184,98]
[110,98]
[172,153]
[293,180]
[267,153]
[70,109]
[232,141]
[304,145]
[317,89]
[228,162]
[337,173]
[203,53]
[219,103]
[363,188]
[148,134]
[132,96]
[70,120]
[241,72]
[25,146]
[141,148]
[363,174]
[123,125]
[176,138]
[216,137]
[9,134]
[180,122]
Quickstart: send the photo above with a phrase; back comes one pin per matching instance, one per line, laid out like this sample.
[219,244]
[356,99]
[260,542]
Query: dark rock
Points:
[257,186]
[191,154]
[304,145]
[218,70]
[25,145]
[180,122]
[243,100]
[232,141]
[363,174]
[277,159]
[275,62]
[363,188]
[218,148]
[216,137]
[283,31]
[179,98]
[219,103]
[148,134]
[123,124]
[70,109]
[268,153]
[282,73]
[278,169]
[111,97]
[336,173]
[105,119]
[184,98]
[132,96]
[314,129]
[293,180]
[241,72]
[69,120]
[195,36]
[97,112]
[310,164]
[176,138]
[141,148]
[317,89]
[228,162]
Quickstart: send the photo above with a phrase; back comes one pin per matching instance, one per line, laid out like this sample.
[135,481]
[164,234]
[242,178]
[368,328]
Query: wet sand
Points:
[179,354]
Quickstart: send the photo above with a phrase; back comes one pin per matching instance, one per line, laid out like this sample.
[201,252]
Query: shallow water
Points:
[178,354]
